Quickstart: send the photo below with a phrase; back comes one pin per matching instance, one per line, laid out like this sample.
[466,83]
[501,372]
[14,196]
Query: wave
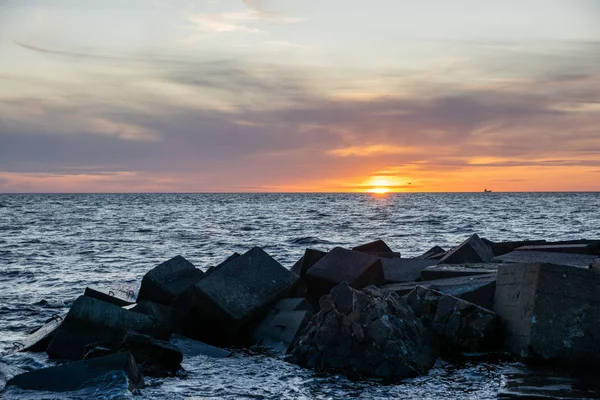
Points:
[308,240]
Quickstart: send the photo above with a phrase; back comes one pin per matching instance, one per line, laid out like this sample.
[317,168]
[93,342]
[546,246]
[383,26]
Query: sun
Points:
[379,190]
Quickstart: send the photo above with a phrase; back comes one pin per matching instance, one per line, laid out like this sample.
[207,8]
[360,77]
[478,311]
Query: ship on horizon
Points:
[487,191]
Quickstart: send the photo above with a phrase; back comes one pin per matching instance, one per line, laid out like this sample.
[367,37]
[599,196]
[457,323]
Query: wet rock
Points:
[77,375]
[551,312]
[309,259]
[404,269]
[41,337]
[7,372]
[472,250]
[444,271]
[500,248]
[477,289]
[561,248]
[154,357]
[90,320]
[233,296]
[461,326]
[192,348]
[116,297]
[340,265]
[595,264]
[168,280]
[378,248]
[529,257]
[279,329]
[435,253]
[365,334]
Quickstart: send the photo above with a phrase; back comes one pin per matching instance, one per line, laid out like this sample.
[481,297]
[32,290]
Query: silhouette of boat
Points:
[487,191]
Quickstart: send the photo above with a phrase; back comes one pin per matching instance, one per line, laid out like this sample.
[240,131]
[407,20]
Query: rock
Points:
[233,296]
[404,269]
[529,257]
[365,334]
[443,271]
[77,375]
[435,253]
[155,357]
[472,250]
[477,289]
[340,265]
[116,297]
[292,304]
[378,248]
[168,280]
[279,329]
[41,338]
[460,325]
[501,248]
[309,259]
[551,312]
[90,320]
[192,348]
[165,316]
[561,248]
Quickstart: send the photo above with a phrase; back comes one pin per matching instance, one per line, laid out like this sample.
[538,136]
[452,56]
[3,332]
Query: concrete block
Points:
[378,246]
[279,329]
[90,320]
[77,375]
[165,282]
[116,297]
[444,271]
[309,259]
[551,312]
[232,296]
[472,250]
[154,357]
[404,269]
[193,348]
[561,248]
[476,289]
[340,265]
[435,253]
[500,248]
[167,317]
[41,338]
[528,257]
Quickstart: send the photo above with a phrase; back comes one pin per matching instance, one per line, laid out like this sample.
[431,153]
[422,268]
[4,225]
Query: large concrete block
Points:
[165,282]
[154,357]
[90,320]
[561,248]
[529,257]
[165,316]
[232,296]
[279,329]
[116,297]
[404,269]
[500,248]
[444,271]
[41,338]
[551,312]
[78,375]
[340,265]
[472,250]
[435,253]
[309,259]
[477,289]
[378,248]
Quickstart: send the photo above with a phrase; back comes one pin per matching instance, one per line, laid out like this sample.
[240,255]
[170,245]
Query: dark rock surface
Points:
[309,259]
[365,333]
[461,326]
[435,253]
[279,329]
[167,317]
[551,312]
[90,320]
[378,246]
[154,357]
[444,271]
[223,302]
[404,269]
[77,375]
[115,297]
[340,265]
[561,248]
[168,280]
[500,248]
[477,289]
[193,348]
[528,257]
[472,250]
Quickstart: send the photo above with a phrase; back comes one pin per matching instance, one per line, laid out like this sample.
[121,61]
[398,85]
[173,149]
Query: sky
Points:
[299,96]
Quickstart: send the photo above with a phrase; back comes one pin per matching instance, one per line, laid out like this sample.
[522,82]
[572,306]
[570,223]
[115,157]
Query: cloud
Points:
[220,23]
[370,150]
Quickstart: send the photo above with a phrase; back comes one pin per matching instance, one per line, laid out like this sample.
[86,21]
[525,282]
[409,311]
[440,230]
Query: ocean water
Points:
[54,245]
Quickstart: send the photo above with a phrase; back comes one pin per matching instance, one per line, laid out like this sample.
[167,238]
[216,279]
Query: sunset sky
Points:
[299,95]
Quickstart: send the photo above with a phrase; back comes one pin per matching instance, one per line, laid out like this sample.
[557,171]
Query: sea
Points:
[52,246]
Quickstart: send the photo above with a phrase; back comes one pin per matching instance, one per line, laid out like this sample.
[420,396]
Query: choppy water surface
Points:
[53,246]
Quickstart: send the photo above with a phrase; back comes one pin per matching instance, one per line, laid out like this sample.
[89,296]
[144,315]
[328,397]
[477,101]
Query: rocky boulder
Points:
[365,334]
[460,326]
